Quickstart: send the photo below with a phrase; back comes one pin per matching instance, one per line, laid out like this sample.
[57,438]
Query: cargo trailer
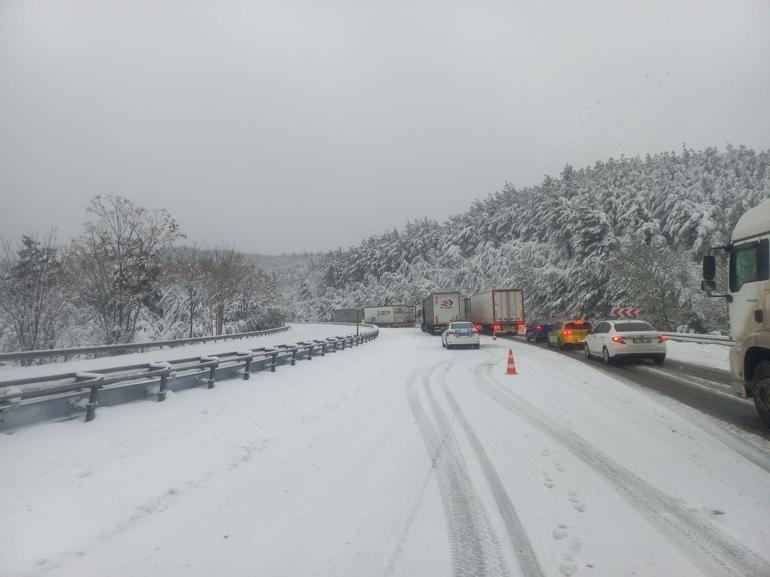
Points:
[439,309]
[390,315]
[498,311]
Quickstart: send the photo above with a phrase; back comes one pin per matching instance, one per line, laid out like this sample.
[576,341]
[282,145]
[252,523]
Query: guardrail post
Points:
[293,357]
[343,343]
[93,402]
[323,349]
[247,369]
[272,362]
[212,368]
[310,352]
[163,379]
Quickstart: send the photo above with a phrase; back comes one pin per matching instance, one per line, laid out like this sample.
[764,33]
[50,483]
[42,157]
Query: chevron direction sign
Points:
[625,312]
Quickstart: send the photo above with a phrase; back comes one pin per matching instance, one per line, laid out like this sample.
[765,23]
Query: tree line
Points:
[624,232]
[126,278]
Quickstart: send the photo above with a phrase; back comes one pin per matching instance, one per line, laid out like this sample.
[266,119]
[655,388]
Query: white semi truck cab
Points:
[748,298]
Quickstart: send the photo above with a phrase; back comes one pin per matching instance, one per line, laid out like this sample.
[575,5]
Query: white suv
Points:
[614,339]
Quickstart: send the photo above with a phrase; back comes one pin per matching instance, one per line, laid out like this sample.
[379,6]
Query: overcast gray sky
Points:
[289,126]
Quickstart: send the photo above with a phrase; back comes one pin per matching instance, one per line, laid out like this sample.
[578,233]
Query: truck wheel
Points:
[762,392]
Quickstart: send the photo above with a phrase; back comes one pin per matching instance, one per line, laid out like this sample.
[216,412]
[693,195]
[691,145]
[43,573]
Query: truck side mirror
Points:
[708,285]
[709,268]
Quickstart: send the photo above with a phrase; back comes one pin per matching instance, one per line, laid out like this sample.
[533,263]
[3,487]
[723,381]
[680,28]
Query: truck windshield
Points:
[743,266]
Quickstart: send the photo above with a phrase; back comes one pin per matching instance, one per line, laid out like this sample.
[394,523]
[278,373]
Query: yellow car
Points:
[571,333]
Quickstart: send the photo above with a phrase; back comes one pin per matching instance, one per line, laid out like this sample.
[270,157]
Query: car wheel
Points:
[606,356]
[762,392]
[586,350]
[659,360]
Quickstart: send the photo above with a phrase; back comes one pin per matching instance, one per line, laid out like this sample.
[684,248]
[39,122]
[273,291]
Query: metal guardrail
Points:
[702,339]
[99,350]
[35,399]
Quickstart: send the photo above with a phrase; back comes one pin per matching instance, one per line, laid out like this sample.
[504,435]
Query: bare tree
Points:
[118,261]
[226,270]
[34,291]
[188,267]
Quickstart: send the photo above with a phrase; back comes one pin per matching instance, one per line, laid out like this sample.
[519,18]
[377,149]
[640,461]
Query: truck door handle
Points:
[759,315]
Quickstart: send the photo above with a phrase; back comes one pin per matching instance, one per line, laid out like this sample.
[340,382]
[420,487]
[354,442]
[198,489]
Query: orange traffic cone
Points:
[511,365]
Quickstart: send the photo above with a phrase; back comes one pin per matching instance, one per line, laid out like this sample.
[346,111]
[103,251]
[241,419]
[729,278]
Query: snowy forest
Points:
[625,232]
[127,278]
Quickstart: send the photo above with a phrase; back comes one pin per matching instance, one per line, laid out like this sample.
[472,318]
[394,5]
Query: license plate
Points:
[464,334]
[641,340]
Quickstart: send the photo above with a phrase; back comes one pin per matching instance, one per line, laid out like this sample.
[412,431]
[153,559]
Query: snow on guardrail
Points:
[703,339]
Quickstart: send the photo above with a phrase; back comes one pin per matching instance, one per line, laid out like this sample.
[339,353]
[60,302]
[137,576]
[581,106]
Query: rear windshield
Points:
[633,327]
[578,326]
[463,326]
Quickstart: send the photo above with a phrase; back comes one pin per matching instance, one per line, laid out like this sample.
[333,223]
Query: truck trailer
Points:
[498,311]
[391,315]
[748,305]
[439,309]
[346,316]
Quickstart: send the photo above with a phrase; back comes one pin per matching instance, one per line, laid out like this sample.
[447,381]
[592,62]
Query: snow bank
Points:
[707,355]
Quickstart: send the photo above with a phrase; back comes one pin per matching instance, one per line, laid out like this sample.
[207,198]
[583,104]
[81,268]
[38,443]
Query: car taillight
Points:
[497,327]
[619,340]
[567,332]
[661,338]
[539,327]
[522,326]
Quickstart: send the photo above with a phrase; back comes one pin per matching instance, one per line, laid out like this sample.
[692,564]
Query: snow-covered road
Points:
[396,458]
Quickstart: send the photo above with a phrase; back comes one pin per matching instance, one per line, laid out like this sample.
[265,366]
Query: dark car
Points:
[538,330]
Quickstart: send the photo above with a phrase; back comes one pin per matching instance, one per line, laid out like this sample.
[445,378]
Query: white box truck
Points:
[748,304]
[439,309]
[390,315]
[498,311]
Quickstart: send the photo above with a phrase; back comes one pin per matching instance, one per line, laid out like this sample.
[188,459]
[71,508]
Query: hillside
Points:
[624,231]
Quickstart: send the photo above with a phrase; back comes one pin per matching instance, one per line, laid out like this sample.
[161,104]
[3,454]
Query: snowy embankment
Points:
[395,458]
[296,333]
[706,355]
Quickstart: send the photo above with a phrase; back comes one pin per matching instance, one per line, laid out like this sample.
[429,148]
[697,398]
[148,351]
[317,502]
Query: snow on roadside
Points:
[707,355]
[296,333]
[327,469]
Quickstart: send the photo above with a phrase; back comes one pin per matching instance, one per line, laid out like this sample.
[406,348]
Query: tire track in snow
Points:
[474,545]
[518,536]
[711,550]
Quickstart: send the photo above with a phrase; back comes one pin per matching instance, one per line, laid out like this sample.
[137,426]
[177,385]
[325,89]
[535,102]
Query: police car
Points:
[460,334]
